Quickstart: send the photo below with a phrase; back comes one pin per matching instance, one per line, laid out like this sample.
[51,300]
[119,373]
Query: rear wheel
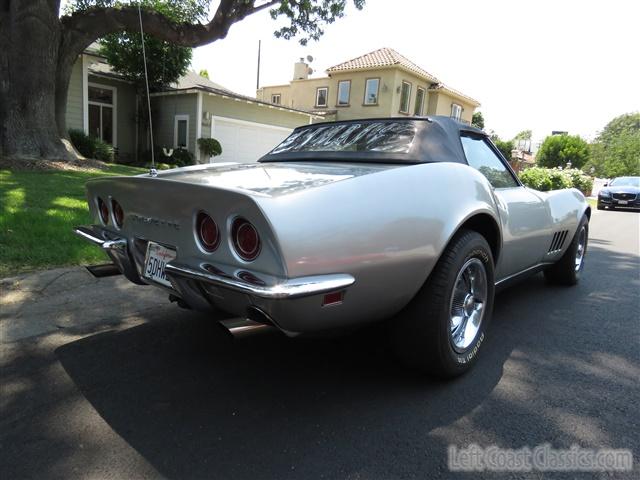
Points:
[442,329]
[567,270]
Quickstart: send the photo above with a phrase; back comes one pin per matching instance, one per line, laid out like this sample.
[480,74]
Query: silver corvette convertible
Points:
[414,220]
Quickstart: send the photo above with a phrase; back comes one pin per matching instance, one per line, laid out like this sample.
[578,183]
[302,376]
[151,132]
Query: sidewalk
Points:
[66,298]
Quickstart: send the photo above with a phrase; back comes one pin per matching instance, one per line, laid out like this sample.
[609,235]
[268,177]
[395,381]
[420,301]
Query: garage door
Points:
[243,141]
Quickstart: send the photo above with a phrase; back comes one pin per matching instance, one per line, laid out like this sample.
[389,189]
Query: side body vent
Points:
[557,242]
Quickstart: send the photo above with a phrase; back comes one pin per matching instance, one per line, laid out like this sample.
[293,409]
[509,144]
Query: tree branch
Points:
[84,27]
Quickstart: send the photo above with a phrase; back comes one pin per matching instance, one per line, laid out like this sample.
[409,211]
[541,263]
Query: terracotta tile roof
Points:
[443,87]
[383,57]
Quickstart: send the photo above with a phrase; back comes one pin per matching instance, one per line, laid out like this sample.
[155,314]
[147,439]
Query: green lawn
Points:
[37,212]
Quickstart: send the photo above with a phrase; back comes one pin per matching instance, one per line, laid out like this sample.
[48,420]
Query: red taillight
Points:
[245,239]
[207,232]
[118,213]
[104,211]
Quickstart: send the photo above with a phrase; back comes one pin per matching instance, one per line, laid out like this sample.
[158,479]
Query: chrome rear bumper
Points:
[98,238]
[114,246]
[291,288]
[205,287]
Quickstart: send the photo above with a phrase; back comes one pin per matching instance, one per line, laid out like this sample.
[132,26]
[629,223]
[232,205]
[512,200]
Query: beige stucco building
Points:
[382,83]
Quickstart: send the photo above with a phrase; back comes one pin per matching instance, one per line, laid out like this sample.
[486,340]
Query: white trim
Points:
[114,107]
[338,104]
[366,89]
[424,95]
[408,109]
[459,116]
[110,77]
[326,96]
[198,126]
[252,102]
[176,118]
[211,132]
[85,95]
[245,122]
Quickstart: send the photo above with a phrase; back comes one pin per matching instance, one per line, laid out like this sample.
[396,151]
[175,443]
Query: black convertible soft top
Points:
[407,140]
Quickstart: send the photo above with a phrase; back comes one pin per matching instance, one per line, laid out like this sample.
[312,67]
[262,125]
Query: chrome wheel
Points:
[580,250]
[468,304]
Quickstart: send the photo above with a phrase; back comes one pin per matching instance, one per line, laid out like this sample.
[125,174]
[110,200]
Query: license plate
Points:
[622,202]
[157,258]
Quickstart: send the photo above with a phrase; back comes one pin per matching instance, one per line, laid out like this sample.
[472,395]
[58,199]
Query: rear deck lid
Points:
[271,179]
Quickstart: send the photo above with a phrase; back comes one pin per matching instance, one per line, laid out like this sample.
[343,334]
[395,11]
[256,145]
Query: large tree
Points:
[616,150]
[38,49]
[560,150]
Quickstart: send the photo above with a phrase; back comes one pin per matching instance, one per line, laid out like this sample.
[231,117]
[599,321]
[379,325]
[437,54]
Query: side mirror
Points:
[606,184]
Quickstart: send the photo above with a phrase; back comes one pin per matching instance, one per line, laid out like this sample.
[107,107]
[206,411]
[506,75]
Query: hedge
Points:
[545,179]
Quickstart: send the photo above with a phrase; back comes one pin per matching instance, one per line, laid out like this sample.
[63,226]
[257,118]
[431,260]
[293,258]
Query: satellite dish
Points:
[311,71]
[309,58]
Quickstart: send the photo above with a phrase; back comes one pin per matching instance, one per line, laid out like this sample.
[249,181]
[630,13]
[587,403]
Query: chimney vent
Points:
[301,70]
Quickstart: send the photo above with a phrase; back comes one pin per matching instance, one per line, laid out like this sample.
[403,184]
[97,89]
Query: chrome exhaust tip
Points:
[242,327]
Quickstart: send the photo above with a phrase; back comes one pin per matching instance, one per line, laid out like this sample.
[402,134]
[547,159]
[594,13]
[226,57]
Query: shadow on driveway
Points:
[196,403]
[176,396]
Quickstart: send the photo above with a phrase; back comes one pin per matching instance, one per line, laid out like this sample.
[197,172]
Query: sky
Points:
[541,65]
[544,65]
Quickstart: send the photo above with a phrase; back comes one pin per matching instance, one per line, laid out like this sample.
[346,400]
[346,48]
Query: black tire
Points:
[565,271]
[600,207]
[423,330]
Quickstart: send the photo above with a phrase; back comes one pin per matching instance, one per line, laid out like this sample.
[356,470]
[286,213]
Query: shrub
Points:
[82,142]
[559,179]
[210,146]
[537,178]
[181,157]
[103,151]
[580,180]
[91,147]
[545,179]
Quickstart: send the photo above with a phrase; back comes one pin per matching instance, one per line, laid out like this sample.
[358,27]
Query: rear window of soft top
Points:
[389,137]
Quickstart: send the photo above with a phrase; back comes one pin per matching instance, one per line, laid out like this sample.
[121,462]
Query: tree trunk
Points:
[38,50]
[30,45]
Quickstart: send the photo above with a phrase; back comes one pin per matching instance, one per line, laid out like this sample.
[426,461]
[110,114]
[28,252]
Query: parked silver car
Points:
[414,220]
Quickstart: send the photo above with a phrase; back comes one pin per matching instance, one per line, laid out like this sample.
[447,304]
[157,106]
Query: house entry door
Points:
[101,115]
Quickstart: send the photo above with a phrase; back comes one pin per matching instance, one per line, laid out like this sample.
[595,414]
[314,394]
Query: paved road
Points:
[165,393]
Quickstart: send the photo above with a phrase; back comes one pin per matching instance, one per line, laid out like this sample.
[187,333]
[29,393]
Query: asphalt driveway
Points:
[105,380]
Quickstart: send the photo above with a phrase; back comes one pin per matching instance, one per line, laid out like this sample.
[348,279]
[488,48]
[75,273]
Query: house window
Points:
[405,95]
[371,91]
[101,112]
[419,101]
[456,111]
[275,98]
[181,131]
[344,89]
[321,96]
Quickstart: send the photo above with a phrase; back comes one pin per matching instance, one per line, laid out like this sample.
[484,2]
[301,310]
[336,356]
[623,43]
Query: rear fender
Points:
[387,229]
